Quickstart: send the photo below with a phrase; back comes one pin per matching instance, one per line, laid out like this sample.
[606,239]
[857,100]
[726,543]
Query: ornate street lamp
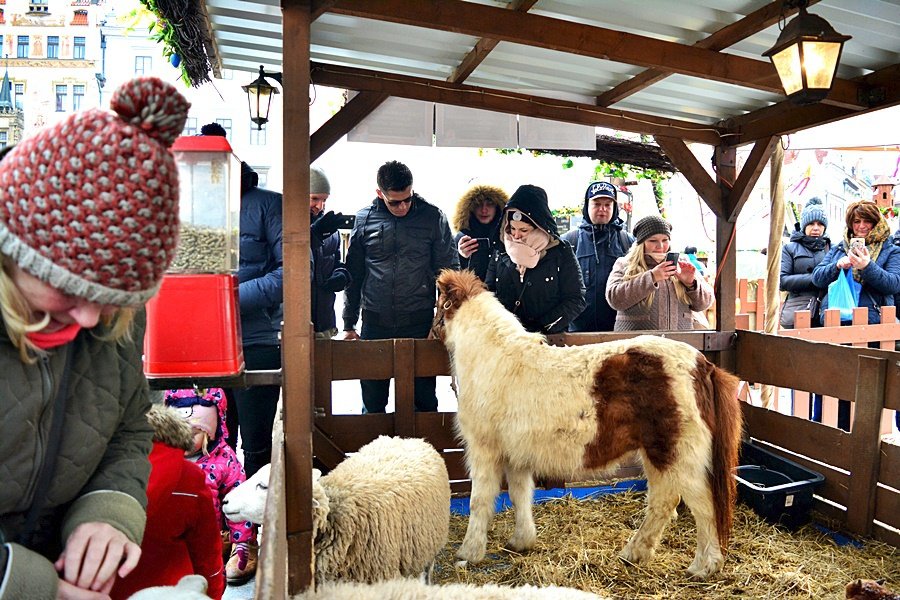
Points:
[259,96]
[806,55]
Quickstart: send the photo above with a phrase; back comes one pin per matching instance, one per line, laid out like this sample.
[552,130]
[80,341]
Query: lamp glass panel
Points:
[787,63]
[820,61]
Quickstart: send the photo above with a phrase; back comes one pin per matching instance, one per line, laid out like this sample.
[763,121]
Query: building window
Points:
[227,74]
[4,138]
[18,94]
[226,125]
[22,47]
[2,20]
[143,65]
[257,136]
[78,51]
[52,46]
[77,96]
[190,126]
[38,6]
[262,174]
[61,92]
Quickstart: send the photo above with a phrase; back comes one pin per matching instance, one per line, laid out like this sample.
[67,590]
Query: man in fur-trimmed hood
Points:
[477,221]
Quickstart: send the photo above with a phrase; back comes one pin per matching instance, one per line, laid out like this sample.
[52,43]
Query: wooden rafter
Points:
[727,36]
[586,40]
[350,115]
[456,94]
[882,88]
[483,47]
[319,7]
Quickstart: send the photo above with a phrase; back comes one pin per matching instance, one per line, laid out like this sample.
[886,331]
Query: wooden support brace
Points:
[865,457]
[351,114]
[750,172]
[685,161]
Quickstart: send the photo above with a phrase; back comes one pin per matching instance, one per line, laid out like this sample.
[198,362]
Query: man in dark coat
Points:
[328,273]
[598,242]
[398,246]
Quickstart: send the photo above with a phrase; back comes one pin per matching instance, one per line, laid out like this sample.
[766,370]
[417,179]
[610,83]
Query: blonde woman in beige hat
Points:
[652,291]
[88,225]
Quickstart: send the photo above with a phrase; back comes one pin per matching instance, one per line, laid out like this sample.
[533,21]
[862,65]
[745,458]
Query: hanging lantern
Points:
[259,96]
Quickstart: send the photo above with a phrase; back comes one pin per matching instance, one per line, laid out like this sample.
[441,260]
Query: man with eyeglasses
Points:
[398,246]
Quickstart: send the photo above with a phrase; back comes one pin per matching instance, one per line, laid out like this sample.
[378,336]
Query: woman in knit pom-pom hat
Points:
[805,250]
[88,225]
[651,293]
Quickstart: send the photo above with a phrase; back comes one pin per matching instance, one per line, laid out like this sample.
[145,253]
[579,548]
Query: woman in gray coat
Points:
[651,293]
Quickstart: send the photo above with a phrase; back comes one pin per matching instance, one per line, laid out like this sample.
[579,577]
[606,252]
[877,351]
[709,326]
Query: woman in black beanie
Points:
[651,293]
[537,277]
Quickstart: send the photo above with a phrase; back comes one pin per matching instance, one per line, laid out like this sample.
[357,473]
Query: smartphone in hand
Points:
[672,257]
[483,244]
[857,242]
[347,222]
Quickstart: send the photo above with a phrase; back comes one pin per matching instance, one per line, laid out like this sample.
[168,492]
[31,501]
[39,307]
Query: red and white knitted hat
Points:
[90,205]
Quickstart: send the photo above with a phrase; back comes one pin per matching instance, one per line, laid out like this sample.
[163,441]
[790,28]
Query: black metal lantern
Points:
[806,56]
[259,96]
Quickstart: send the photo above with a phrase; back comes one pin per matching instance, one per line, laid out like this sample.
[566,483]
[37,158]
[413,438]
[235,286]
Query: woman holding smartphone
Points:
[650,288]
[477,219]
[875,262]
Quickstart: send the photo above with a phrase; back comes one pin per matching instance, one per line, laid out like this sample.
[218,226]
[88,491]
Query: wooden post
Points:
[726,250]
[864,443]
[298,334]
[404,387]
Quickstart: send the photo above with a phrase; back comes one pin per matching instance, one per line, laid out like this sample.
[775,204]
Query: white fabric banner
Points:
[397,121]
[473,127]
[544,133]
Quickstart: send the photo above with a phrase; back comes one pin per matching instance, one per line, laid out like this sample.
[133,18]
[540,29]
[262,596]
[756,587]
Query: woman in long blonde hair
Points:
[650,292]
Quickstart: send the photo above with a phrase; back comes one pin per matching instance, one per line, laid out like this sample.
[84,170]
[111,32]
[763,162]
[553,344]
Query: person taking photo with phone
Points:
[875,264]
[477,221]
[652,289]
[536,277]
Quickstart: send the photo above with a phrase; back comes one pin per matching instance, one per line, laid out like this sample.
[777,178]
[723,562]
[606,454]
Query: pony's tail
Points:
[726,442]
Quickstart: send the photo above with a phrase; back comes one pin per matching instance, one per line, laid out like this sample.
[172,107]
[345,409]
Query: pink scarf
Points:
[526,253]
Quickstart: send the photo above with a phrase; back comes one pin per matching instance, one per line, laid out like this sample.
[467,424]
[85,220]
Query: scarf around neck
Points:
[527,252]
[46,341]
[874,243]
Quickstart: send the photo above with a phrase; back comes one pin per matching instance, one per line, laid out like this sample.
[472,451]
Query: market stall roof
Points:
[682,68]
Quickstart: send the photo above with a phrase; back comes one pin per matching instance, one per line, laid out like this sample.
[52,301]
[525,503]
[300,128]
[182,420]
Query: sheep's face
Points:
[321,506]
[247,502]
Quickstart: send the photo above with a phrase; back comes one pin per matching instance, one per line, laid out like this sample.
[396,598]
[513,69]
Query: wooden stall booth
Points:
[683,71]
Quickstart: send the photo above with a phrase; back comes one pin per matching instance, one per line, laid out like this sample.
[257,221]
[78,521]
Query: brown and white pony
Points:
[528,409]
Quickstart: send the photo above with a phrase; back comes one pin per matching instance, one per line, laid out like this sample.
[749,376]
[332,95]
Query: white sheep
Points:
[382,513]
[409,589]
[189,587]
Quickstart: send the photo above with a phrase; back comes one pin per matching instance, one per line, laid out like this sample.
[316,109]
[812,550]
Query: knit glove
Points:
[339,281]
[325,225]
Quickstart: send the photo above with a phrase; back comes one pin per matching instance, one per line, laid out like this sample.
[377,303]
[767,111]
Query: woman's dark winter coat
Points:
[596,248]
[551,294]
[260,274]
[880,279]
[798,259]
[465,223]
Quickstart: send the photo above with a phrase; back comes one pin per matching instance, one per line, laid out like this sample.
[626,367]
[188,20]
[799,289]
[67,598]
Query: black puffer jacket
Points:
[465,222]
[394,261]
[798,259]
[596,248]
[550,295]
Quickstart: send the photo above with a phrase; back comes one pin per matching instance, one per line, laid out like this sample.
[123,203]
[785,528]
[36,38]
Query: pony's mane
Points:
[459,286]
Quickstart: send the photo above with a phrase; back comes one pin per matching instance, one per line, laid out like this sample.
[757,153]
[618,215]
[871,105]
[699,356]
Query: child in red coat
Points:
[182,532]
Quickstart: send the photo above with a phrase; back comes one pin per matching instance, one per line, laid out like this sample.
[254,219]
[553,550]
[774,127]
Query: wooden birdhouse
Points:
[883,191]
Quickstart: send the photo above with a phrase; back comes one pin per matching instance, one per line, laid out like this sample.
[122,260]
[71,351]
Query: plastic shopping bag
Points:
[843,293]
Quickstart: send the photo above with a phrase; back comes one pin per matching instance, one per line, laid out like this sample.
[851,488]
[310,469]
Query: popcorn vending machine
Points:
[193,323]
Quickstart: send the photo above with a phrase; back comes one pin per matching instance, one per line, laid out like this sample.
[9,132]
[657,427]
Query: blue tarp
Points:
[460,506]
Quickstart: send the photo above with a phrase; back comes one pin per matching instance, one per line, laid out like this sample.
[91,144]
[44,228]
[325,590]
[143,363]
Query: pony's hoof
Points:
[461,564]
[521,543]
[703,571]
[465,554]
[635,555]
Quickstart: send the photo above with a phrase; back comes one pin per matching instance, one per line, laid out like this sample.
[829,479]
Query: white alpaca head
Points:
[190,587]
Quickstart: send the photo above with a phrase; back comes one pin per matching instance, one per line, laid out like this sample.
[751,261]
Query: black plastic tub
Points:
[778,489]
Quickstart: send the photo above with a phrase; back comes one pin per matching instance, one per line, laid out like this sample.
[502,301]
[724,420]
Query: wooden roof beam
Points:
[688,165]
[753,167]
[483,47]
[319,7]
[351,114]
[597,42]
[727,36]
[443,92]
[881,89]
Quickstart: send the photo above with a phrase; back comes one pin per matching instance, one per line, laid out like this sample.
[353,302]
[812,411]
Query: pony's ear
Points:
[458,286]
